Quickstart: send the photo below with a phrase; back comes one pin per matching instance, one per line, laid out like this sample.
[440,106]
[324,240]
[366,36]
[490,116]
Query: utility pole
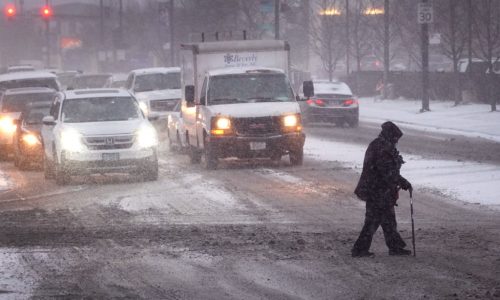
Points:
[424,18]
[276,19]
[172,32]
[101,27]
[348,39]
[386,49]
[47,37]
[469,32]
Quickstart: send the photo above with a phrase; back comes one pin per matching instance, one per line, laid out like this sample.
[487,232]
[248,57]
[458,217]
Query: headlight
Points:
[223,123]
[290,121]
[30,139]
[7,125]
[221,126]
[71,140]
[147,137]
[144,107]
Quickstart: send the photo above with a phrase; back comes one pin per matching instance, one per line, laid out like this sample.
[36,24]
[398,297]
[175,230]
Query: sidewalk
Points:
[464,180]
[472,120]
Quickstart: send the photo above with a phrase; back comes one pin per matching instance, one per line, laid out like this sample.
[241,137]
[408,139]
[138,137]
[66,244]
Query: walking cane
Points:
[412,224]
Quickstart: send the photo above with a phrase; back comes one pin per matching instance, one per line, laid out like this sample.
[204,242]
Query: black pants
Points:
[375,217]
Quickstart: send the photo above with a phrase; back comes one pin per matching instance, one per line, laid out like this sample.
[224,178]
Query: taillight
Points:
[320,102]
[350,102]
[310,101]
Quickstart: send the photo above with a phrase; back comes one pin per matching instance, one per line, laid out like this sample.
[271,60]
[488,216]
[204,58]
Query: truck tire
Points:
[210,160]
[194,155]
[296,156]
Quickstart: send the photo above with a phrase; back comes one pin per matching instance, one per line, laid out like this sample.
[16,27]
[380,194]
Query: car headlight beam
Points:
[30,139]
[71,140]
[223,123]
[147,137]
[7,125]
[290,121]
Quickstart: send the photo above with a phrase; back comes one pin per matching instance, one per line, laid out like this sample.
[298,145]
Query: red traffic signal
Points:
[10,10]
[46,12]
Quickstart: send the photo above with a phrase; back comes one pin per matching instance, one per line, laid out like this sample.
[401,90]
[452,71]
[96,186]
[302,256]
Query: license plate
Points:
[110,156]
[257,145]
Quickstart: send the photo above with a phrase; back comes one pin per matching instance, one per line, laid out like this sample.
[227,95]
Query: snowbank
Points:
[5,183]
[467,181]
[473,120]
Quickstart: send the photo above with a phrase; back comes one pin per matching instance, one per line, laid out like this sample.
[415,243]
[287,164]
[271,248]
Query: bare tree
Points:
[487,32]
[327,34]
[453,35]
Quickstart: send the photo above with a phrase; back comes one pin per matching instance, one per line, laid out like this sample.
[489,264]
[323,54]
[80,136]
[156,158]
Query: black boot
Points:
[365,253]
[399,252]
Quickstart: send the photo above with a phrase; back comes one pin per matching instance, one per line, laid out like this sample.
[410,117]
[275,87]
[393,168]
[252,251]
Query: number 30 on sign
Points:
[425,13]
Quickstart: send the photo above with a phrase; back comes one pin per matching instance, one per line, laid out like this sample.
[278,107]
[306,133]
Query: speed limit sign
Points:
[425,13]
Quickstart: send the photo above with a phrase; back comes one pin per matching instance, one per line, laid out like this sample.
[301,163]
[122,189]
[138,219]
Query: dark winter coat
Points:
[380,179]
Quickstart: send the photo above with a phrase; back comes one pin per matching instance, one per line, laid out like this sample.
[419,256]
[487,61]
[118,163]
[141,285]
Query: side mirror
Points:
[189,94]
[308,89]
[49,120]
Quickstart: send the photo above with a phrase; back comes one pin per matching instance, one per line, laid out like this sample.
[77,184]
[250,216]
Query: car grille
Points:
[109,142]
[260,126]
[163,105]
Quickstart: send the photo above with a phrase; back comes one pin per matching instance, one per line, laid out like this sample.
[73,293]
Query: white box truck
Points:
[237,102]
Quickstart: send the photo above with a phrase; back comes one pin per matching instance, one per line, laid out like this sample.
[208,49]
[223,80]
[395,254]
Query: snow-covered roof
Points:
[26,75]
[156,70]
[96,93]
[243,70]
[334,87]
[29,90]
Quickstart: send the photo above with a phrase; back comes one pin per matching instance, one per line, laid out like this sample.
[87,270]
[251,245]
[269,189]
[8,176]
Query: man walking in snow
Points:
[379,185]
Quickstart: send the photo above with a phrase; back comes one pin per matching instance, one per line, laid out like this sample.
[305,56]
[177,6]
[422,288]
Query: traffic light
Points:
[10,11]
[46,12]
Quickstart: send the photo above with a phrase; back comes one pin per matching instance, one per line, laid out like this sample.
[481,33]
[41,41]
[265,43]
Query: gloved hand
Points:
[406,185]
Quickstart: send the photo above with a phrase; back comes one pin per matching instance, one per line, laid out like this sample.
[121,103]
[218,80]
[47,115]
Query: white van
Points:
[238,102]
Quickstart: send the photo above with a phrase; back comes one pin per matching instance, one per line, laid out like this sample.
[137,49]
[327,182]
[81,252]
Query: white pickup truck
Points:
[237,102]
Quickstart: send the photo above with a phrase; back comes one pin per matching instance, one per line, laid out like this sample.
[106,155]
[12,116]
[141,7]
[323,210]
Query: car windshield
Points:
[100,109]
[36,114]
[91,81]
[23,83]
[158,81]
[249,88]
[18,102]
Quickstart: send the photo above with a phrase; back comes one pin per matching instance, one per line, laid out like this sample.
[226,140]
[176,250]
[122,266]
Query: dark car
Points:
[28,148]
[332,102]
[12,103]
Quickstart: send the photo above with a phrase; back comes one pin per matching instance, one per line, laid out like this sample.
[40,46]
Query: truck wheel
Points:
[210,160]
[296,156]
[48,169]
[194,155]
[276,156]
